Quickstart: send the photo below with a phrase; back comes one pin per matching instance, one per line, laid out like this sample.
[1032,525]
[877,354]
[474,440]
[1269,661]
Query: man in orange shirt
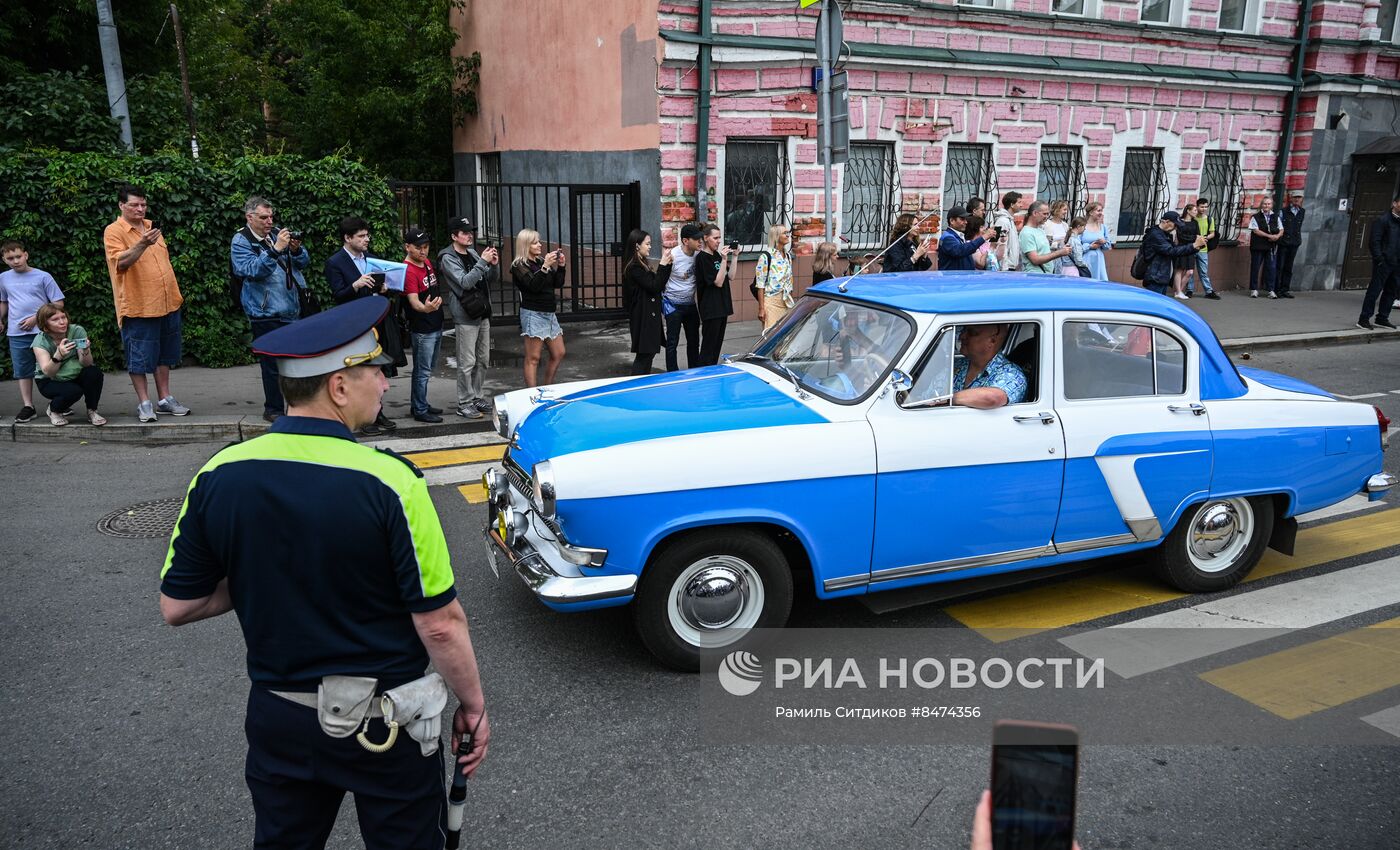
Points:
[147,299]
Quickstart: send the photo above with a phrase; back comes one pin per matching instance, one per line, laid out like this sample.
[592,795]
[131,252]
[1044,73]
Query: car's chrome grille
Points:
[518,477]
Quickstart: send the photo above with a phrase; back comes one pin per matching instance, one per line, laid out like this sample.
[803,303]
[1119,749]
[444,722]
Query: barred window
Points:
[869,195]
[488,172]
[755,189]
[1221,185]
[968,173]
[1144,194]
[1062,178]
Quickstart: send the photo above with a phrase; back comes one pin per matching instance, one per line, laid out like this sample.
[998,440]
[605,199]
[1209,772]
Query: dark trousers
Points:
[272,394]
[64,394]
[684,316]
[641,363]
[298,776]
[1286,255]
[1385,286]
[1261,263]
[712,339]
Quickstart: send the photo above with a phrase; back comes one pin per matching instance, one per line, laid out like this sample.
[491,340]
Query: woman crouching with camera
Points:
[63,356]
[537,275]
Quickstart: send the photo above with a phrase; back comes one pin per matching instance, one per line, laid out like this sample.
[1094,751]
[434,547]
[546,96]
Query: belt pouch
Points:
[417,707]
[342,703]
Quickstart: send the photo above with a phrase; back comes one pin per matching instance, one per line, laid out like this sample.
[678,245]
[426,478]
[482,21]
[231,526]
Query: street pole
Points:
[824,51]
[185,78]
[112,69]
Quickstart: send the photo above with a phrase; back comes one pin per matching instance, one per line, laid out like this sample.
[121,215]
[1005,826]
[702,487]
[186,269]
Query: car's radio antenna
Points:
[841,287]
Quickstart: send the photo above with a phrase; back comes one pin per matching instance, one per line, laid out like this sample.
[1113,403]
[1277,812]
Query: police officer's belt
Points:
[344,703]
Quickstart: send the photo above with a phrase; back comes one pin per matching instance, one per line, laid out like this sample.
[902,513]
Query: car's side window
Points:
[944,369]
[1112,360]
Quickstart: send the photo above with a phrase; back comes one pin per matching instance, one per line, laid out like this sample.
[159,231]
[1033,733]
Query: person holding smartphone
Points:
[349,277]
[641,297]
[420,286]
[538,273]
[66,372]
[714,266]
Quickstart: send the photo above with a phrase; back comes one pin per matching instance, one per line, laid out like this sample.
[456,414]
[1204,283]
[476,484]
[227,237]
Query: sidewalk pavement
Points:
[227,403]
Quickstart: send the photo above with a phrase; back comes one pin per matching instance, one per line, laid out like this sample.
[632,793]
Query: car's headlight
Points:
[500,416]
[497,490]
[511,526]
[542,483]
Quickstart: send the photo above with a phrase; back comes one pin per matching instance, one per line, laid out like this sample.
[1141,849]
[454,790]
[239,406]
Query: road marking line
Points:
[1356,503]
[473,493]
[1387,720]
[455,474]
[1360,397]
[1187,634]
[446,441]
[1316,676]
[1037,609]
[454,457]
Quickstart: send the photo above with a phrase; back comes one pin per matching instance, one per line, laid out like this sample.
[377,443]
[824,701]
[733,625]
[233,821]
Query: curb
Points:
[229,430]
[1306,340]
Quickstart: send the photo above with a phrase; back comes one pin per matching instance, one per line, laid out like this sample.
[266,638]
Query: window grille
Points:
[756,181]
[1144,194]
[870,195]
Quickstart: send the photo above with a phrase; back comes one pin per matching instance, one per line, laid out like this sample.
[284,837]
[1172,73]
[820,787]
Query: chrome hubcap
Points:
[1220,533]
[715,600]
[713,597]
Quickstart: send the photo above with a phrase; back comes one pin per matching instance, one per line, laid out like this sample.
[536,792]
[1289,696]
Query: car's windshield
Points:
[836,348]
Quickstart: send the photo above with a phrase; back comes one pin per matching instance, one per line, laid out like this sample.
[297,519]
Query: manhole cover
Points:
[146,520]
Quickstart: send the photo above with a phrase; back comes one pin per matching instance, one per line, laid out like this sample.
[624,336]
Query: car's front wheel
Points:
[708,591]
[1216,543]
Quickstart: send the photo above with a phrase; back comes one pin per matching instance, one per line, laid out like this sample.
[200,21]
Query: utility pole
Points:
[185,79]
[112,68]
[824,54]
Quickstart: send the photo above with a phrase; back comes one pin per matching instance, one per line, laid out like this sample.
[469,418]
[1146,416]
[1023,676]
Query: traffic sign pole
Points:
[824,55]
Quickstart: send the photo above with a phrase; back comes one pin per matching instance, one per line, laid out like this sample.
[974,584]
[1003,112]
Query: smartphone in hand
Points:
[1035,767]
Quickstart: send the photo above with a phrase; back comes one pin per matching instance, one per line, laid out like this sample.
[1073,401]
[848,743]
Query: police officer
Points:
[333,558]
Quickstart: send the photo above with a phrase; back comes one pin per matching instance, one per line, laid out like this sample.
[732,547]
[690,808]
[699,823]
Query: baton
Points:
[457,797]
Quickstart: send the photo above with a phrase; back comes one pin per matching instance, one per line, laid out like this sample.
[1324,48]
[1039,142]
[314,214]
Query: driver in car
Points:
[985,378]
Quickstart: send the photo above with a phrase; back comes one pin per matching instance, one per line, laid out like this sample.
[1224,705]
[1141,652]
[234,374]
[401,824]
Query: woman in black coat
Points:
[1186,233]
[641,296]
[906,253]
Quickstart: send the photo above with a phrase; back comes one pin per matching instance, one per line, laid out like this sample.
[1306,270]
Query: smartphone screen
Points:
[1034,770]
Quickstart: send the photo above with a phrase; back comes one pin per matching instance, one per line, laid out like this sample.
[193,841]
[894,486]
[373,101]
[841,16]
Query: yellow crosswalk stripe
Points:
[454,457]
[1037,609]
[1320,675]
[473,493]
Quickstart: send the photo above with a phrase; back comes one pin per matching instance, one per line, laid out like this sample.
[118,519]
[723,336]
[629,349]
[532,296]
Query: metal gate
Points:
[588,222]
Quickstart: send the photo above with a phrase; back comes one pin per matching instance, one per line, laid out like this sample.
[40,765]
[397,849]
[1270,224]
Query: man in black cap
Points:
[1159,252]
[955,252]
[469,276]
[341,609]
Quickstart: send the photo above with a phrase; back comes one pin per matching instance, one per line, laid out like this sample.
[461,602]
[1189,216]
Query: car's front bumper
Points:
[1378,485]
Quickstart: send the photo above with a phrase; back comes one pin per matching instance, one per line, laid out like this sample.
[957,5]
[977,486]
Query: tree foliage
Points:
[371,79]
[57,204]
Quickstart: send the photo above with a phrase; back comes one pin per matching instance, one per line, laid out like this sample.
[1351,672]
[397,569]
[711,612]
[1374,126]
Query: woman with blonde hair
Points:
[537,275]
[824,263]
[773,276]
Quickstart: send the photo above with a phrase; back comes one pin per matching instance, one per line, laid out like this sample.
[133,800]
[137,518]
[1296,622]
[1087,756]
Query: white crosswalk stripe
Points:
[1387,720]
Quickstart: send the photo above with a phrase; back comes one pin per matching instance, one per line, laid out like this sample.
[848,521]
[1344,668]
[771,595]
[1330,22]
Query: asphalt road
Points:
[125,733]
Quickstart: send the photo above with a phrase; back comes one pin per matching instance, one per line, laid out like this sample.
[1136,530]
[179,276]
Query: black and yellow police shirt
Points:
[328,547]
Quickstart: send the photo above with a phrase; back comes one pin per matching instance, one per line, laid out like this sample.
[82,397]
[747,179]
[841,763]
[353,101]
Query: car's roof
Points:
[989,292]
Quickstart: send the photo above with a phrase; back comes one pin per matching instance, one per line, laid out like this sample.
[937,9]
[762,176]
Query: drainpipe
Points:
[702,116]
[1290,115]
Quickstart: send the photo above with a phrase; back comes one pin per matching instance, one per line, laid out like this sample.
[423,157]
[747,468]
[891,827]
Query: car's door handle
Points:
[1197,409]
[1044,417]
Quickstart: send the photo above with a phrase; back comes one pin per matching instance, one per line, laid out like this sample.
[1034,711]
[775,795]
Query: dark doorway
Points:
[1375,182]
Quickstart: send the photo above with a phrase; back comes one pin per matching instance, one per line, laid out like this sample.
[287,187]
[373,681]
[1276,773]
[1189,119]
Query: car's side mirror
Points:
[900,382]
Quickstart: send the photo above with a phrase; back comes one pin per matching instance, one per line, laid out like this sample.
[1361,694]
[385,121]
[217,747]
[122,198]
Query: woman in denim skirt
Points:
[537,275]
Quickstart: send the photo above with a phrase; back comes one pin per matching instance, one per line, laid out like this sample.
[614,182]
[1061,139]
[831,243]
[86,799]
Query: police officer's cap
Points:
[338,338]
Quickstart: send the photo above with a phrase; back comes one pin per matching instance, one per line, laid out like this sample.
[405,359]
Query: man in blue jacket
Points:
[270,268]
[955,252]
[1159,251]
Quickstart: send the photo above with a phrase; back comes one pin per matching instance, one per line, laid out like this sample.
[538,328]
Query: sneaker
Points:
[58,419]
[427,417]
[271,416]
[145,411]
[385,422]
[1253,293]
[1181,296]
[469,412]
[484,405]
[1365,324]
[1190,294]
[1273,295]
[172,407]
[1212,296]
[371,430]
[1385,323]
[451,362]
[96,418]
[25,414]
[436,411]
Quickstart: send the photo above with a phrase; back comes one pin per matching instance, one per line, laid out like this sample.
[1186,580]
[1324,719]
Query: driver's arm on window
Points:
[983,398]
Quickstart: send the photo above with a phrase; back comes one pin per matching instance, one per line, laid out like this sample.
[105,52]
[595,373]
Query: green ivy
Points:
[58,204]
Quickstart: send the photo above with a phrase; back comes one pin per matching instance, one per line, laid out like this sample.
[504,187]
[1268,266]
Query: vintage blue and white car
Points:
[837,451]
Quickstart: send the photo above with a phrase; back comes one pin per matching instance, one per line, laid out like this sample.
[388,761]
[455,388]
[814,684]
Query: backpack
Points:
[1139,267]
[475,302]
[754,288]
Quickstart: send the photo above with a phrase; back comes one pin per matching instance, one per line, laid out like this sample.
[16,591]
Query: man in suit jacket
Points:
[1385,269]
[349,279]
[1292,219]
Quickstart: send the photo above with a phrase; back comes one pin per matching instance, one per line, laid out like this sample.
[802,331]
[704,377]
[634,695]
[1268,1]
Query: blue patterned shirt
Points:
[1000,373]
